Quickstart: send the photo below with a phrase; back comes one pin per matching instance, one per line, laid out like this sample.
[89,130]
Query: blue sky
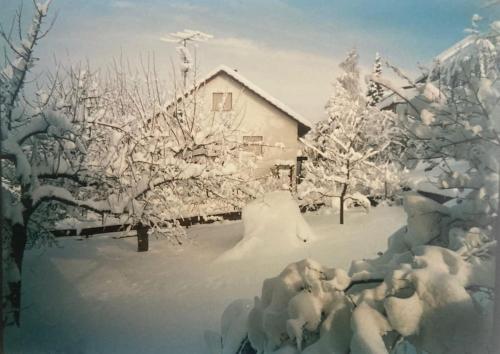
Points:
[289,48]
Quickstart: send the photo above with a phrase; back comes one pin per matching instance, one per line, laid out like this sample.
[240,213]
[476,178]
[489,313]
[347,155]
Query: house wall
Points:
[254,116]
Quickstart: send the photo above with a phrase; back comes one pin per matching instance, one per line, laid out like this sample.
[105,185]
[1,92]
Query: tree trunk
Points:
[385,184]
[13,276]
[142,238]
[342,199]
[341,209]
[343,194]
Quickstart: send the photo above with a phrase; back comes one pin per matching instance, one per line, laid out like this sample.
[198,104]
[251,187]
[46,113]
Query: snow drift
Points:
[272,223]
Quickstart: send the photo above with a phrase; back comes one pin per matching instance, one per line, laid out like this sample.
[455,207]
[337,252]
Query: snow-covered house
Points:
[442,65]
[268,130]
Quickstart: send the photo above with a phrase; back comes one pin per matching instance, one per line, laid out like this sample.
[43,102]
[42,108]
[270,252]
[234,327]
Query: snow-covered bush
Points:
[432,289]
[346,151]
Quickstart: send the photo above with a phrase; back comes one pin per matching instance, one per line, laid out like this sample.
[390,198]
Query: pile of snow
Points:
[272,223]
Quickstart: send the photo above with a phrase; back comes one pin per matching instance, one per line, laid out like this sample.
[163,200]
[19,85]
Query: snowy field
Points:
[101,296]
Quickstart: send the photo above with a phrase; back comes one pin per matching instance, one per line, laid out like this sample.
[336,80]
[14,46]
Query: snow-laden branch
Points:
[12,209]
[119,203]
[47,121]
[14,75]
[50,122]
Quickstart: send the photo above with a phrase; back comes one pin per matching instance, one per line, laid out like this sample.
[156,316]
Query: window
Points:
[253,144]
[222,101]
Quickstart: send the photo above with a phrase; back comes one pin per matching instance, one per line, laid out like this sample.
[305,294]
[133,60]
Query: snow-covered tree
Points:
[344,147]
[452,124]
[110,145]
[375,91]
[36,139]
[432,289]
[186,156]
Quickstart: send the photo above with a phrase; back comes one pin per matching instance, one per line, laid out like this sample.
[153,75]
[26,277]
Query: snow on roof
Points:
[455,49]
[392,99]
[257,90]
[389,100]
[459,49]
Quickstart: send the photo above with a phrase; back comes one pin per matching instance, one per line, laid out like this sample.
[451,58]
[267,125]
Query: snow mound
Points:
[293,304]
[271,223]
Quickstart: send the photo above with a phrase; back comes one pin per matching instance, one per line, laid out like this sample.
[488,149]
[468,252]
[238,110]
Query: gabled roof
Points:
[445,58]
[258,91]
[459,48]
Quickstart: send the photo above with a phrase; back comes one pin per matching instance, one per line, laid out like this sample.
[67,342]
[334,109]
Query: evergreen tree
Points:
[375,90]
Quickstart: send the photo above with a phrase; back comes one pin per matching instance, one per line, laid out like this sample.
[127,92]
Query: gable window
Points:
[253,144]
[222,101]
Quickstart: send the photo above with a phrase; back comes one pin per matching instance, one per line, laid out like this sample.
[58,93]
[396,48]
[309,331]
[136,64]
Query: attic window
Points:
[222,101]
[253,144]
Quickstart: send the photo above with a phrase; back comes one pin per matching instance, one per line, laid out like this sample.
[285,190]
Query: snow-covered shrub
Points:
[346,151]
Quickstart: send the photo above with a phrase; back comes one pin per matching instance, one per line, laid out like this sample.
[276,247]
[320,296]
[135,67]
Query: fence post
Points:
[142,238]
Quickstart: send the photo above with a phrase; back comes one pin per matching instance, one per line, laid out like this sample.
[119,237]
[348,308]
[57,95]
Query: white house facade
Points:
[268,130]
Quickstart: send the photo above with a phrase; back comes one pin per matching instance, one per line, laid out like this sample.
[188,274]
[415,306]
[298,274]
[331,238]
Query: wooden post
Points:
[142,238]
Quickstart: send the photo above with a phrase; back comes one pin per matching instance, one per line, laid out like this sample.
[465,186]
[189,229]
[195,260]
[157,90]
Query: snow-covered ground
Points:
[101,296]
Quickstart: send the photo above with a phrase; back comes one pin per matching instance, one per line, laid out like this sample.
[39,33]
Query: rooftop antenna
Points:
[182,38]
